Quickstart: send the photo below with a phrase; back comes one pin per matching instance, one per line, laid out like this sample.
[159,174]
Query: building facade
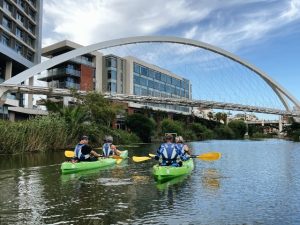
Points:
[20,43]
[117,75]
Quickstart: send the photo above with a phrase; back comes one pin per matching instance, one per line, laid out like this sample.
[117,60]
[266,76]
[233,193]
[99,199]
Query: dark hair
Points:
[169,137]
[84,137]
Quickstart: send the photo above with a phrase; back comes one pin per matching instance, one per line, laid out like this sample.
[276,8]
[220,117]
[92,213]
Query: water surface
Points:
[255,182]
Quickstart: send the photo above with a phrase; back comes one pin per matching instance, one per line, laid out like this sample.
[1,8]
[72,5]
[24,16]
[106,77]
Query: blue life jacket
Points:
[168,151]
[179,147]
[79,154]
[107,151]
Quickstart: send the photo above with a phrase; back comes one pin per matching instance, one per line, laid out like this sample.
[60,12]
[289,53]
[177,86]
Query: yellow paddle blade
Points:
[140,158]
[209,156]
[151,155]
[69,153]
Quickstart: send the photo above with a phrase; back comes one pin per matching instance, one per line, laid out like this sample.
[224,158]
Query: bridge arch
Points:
[282,93]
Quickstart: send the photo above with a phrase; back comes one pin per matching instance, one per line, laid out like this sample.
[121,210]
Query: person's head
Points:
[84,139]
[108,139]
[168,138]
[179,139]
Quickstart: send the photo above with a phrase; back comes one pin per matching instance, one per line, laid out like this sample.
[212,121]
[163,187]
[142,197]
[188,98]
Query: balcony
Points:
[64,85]
[60,72]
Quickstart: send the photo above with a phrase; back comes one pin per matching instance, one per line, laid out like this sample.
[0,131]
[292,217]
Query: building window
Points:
[30,41]
[136,79]
[169,79]
[151,73]
[162,87]
[112,74]
[144,71]
[7,6]
[6,23]
[158,76]
[5,39]
[29,56]
[111,62]
[33,2]
[163,77]
[31,14]
[18,48]
[20,18]
[19,33]
[143,81]
[21,3]
[136,68]
[31,28]
[112,87]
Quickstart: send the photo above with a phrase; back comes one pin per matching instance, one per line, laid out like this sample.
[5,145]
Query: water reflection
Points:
[211,178]
[162,185]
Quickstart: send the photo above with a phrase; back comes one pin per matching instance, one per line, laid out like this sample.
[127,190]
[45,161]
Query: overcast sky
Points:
[265,33]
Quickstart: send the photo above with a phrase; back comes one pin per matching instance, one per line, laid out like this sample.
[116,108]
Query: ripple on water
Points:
[114,181]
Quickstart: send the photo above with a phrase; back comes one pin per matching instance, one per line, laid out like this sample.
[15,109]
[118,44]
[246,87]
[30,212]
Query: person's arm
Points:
[95,154]
[88,150]
[187,150]
[115,150]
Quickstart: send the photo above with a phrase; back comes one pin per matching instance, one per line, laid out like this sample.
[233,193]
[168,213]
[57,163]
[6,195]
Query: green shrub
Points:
[238,127]
[224,132]
[170,126]
[141,125]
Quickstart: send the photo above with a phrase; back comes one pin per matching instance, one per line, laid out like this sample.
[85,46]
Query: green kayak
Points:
[69,167]
[169,172]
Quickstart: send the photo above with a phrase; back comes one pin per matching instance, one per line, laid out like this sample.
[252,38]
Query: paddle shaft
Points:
[70,154]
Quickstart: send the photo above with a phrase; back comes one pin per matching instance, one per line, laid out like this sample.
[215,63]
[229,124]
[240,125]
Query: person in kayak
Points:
[108,148]
[182,147]
[168,154]
[84,152]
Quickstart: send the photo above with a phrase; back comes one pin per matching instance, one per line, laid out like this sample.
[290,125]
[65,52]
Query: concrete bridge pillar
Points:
[280,124]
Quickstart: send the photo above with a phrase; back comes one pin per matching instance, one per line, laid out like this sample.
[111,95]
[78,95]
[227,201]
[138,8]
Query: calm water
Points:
[255,182]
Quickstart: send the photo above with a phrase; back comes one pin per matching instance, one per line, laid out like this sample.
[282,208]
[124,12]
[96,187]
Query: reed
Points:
[37,134]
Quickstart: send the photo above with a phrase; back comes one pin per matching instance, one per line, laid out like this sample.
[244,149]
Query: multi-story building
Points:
[80,73]
[20,45]
[118,75]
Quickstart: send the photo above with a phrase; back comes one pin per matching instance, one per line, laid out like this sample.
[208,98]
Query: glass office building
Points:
[151,80]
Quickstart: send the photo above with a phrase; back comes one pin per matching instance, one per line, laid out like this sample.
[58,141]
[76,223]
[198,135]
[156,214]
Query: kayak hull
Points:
[169,172]
[69,167]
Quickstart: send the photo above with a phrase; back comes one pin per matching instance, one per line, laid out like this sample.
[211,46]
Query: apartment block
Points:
[20,45]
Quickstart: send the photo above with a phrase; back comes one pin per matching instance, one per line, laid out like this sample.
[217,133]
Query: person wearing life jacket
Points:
[108,148]
[183,148]
[84,152]
[167,154]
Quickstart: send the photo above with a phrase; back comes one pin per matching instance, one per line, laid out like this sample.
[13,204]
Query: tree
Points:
[99,109]
[238,127]
[142,126]
[170,126]
[218,116]
[210,115]
[224,132]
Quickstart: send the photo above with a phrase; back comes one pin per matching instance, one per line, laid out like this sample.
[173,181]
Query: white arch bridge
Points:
[291,104]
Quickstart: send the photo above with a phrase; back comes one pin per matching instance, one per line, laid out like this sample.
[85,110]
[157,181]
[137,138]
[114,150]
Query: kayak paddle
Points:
[70,154]
[208,156]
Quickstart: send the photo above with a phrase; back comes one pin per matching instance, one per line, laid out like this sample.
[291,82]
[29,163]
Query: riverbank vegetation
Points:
[95,116]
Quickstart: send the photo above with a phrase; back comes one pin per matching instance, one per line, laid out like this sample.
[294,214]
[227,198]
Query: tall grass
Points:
[37,134]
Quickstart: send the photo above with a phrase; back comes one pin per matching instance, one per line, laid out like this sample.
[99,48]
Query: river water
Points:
[255,182]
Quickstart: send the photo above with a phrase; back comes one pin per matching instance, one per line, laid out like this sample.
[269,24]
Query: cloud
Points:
[228,24]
